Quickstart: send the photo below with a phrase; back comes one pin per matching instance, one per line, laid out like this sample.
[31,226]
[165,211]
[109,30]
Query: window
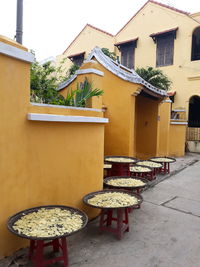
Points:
[127,50]
[196,44]
[194,112]
[77,58]
[165,47]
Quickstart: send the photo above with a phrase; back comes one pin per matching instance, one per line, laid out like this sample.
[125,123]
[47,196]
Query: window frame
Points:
[164,47]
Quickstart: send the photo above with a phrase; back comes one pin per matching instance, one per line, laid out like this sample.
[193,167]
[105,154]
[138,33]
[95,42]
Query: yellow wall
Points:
[42,162]
[184,73]
[163,128]
[177,137]
[88,38]
[119,104]
[146,127]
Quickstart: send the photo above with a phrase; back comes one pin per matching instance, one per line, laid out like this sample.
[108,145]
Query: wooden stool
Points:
[36,251]
[106,219]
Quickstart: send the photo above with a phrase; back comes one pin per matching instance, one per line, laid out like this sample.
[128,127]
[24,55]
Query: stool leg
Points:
[31,249]
[55,243]
[65,252]
[109,217]
[39,253]
[119,223]
[126,219]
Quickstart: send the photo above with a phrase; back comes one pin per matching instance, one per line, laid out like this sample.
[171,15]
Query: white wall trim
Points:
[15,52]
[179,122]
[64,107]
[179,110]
[86,71]
[64,118]
[167,101]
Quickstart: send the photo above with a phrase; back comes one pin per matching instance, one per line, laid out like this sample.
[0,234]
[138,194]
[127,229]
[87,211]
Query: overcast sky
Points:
[51,25]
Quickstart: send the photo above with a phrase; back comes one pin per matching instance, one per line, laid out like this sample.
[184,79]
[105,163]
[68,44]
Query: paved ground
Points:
[165,232]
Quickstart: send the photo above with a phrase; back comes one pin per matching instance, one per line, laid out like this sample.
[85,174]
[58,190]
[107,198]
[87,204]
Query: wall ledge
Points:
[15,52]
[179,122]
[64,118]
[91,70]
[64,107]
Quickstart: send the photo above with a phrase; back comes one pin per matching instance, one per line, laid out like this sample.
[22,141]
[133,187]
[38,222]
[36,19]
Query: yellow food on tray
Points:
[121,160]
[163,159]
[139,169]
[150,164]
[113,200]
[107,166]
[48,223]
[125,182]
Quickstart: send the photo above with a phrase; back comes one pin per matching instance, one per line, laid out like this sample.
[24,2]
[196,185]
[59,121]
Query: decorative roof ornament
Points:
[119,70]
[122,71]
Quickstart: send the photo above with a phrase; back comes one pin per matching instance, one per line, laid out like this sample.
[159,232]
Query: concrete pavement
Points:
[165,232]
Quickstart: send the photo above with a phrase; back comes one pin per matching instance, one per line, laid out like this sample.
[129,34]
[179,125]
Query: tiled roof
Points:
[119,70]
[163,32]
[125,42]
[76,55]
[157,3]
[170,7]
[87,25]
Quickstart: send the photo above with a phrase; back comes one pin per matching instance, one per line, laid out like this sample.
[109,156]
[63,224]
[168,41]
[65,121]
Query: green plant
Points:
[112,55]
[44,81]
[154,77]
[83,92]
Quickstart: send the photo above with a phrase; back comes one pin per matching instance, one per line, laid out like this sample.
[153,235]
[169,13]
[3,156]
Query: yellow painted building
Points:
[162,37]
[139,114]
[50,155]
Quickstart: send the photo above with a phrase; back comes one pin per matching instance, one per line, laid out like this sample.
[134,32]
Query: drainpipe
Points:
[19,21]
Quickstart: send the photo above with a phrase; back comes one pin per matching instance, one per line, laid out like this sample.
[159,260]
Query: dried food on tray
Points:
[164,159]
[120,159]
[48,223]
[107,166]
[149,163]
[125,182]
[112,200]
[140,169]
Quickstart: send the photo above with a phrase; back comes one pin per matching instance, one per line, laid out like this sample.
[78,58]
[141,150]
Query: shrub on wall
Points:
[155,77]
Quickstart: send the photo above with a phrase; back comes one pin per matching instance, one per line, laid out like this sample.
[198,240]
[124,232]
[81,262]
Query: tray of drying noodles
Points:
[47,222]
[149,163]
[125,182]
[142,169]
[163,159]
[120,159]
[112,199]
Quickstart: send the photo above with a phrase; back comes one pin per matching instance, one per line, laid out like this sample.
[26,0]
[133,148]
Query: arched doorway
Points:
[194,112]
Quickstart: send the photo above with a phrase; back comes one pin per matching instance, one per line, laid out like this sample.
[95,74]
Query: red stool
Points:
[106,219]
[120,169]
[166,168]
[36,251]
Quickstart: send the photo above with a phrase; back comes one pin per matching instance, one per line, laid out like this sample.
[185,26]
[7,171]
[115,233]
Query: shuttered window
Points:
[196,44]
[78,60]
[165,50]
[127,55]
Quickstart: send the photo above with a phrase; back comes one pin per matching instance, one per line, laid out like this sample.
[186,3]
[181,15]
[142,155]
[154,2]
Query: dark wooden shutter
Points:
[78,60]
[165,50]
[127,55]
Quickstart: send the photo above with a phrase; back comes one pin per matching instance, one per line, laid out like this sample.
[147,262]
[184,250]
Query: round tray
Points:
[144,171]
[90,195]
[107,166]
[107,159]
[20,214]
[125,177]
[140,161]
[160,161]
